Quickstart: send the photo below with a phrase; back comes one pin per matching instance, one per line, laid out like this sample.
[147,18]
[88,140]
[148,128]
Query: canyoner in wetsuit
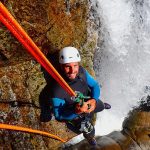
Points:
[78,116]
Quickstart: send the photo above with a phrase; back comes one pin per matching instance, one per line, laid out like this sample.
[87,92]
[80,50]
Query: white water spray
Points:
[122,62]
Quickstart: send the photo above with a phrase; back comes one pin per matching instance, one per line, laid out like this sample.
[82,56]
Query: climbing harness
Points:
[23,129]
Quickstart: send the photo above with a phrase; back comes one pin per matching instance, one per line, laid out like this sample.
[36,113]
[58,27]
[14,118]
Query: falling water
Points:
[122,60]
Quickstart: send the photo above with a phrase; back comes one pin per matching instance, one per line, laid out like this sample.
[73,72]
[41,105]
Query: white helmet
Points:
[68,55]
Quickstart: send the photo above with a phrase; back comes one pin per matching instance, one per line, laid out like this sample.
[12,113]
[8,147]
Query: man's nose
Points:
[72,70]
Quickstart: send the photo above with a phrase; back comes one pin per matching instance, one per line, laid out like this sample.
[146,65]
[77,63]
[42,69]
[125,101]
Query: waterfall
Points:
[122,59]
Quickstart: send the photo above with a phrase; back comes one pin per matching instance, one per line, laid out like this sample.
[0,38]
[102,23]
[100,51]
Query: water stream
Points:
[122,60]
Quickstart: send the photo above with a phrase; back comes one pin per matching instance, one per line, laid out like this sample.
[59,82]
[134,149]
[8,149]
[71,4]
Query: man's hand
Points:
[87,107]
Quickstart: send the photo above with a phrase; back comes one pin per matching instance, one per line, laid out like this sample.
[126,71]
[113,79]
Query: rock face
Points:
[135,134]
[52,24]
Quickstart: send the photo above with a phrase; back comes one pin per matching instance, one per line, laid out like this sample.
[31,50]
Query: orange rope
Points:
[9,21]
[23,129]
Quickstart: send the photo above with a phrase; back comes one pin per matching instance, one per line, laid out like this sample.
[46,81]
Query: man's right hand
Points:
[87,107]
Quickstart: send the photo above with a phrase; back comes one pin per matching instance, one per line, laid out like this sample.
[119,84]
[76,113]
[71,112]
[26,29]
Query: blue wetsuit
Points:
[61,108]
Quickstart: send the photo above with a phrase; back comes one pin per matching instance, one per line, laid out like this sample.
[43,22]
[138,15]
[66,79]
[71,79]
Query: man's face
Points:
[70,70]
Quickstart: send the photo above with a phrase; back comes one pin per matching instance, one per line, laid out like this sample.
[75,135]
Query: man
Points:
[77,115]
